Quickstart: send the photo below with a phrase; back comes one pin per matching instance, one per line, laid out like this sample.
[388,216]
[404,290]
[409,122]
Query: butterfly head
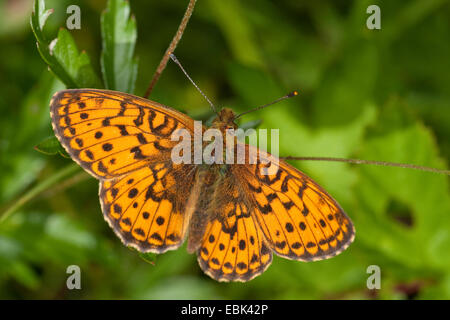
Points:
[224,120]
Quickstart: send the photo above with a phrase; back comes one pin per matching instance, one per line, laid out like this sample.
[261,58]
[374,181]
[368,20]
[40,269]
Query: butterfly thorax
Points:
[224,120]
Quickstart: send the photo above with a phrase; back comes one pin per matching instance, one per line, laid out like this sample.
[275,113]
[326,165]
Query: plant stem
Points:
[40,187]
[172,46]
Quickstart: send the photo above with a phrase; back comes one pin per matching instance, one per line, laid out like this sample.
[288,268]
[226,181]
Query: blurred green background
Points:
[369,94]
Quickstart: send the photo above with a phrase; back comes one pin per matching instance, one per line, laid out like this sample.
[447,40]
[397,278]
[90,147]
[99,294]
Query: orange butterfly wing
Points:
[299,219]
[232,248]
[124,141]
[146,208]
[110,133]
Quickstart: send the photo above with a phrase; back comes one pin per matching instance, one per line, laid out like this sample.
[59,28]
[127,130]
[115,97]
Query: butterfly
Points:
[235,216]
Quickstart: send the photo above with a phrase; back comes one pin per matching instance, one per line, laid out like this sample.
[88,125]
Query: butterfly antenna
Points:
[289,95]
[174,59]
[371,162]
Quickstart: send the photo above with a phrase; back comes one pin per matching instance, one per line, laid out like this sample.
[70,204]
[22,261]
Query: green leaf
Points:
[76,64]
[43,14]
[146,256]
[424,196]
[61,54]
[119,35]
[51,146]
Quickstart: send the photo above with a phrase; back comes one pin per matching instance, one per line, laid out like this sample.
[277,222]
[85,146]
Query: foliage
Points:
[370,94]
[119,34]
[61,54]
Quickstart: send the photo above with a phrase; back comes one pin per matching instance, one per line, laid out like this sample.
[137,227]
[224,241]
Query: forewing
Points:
[111,133]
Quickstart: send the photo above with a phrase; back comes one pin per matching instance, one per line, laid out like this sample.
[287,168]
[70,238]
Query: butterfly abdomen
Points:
[206,181]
